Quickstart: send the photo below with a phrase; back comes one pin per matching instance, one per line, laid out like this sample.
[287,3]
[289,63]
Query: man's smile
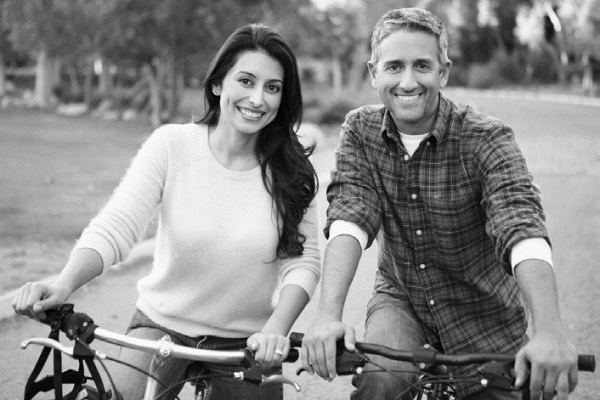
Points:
[407,98]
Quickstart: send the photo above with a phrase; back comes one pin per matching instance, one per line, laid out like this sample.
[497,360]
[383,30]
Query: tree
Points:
[5,49]
[569,31]
[56,32]
[156,37]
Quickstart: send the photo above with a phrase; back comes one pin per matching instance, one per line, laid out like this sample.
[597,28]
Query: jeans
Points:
[391,321]
[132,383]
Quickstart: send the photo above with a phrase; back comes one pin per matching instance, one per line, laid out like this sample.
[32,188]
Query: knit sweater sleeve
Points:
[305,270]
[122,221]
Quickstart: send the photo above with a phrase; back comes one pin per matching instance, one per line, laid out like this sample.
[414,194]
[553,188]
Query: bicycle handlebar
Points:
[586,362]
[81,326]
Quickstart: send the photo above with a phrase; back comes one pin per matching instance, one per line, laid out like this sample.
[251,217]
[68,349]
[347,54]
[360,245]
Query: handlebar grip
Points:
[53,315]
[586,362]
[293,356]
[296,339]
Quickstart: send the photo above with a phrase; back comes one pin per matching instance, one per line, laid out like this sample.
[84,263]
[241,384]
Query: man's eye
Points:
[393,68]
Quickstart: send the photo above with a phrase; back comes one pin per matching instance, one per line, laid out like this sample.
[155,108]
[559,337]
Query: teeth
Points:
[407,98]
[250,114]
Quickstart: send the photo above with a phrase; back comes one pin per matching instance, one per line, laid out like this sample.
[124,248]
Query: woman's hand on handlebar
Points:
[34,298]
[319,346]
[270,349]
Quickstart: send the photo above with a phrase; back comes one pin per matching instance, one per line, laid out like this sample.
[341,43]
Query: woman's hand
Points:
[270,349]
[34,298]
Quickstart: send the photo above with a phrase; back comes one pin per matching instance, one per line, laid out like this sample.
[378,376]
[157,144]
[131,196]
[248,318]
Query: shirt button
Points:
[406,157]
[413,196]
[422,266]
[428,143]
[431,302]
[419,232]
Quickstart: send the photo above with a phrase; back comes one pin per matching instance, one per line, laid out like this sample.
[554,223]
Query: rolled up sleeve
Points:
[511,200]
[352,193]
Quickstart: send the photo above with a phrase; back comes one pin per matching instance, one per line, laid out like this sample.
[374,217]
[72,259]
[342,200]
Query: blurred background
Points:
[145,59]
[84,82]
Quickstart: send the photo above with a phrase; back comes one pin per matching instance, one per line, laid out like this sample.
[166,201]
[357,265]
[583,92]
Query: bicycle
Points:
[434,380]
[81,329]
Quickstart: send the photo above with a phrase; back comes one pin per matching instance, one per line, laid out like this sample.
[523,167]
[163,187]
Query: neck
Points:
[236,152]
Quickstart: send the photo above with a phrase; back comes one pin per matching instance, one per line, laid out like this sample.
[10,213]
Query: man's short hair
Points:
[411,19]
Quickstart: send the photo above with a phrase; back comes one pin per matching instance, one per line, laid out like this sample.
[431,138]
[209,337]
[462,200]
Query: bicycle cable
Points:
[140,370]
[411,385]
[191,380]
[110,379]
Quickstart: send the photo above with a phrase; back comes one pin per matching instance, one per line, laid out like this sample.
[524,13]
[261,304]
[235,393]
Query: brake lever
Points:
[347,362]
[46,342]
[279,378]
[498,375]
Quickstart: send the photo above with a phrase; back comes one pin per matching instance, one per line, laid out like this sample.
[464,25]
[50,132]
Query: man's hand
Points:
[319,346]
[552,359]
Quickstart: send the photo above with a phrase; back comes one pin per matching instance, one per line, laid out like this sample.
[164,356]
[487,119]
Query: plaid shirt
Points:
[445,219]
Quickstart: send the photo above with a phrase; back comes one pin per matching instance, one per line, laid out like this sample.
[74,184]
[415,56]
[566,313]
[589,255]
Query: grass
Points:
[56,173]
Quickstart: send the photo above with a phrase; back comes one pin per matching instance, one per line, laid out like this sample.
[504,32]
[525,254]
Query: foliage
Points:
[335,113]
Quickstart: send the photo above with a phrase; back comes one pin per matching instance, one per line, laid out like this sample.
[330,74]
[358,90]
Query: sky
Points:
[327,3]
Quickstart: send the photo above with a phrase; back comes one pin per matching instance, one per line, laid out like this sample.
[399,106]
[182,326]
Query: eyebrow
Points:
[398,61]
[254,76]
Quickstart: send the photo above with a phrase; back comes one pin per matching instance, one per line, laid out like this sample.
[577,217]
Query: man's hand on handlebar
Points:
[318,352]
[34,298]
[553,362]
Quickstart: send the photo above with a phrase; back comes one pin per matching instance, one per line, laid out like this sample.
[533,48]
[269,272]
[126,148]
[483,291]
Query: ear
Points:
[216,90]
[372,73]
[445,73]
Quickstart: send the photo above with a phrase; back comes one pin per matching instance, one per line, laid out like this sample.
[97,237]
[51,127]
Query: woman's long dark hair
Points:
[293,181]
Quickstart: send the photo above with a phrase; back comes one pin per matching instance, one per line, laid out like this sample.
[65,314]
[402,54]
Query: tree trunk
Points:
[556,57]
[73,80]
[2,76]
[356,76]
[45,79]
[337,81]
[105,83]
[155,95]
[172,85]
[587,80]
[88,82]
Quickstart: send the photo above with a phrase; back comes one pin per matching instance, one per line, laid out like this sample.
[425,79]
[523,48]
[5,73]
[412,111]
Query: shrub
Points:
[484,76]
[335,113]
[510,68]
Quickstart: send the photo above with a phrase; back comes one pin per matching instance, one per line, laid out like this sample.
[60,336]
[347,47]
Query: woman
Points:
[236,249]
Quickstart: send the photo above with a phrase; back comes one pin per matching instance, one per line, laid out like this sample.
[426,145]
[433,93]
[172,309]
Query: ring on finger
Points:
[278,352]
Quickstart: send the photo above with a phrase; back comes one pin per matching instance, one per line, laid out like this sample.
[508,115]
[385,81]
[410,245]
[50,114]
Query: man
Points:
[459,224]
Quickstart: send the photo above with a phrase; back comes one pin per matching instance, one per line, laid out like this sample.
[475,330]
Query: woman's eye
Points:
[273,88]
[245,81]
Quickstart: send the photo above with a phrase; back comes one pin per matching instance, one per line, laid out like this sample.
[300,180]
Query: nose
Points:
[256,96]
[408,81]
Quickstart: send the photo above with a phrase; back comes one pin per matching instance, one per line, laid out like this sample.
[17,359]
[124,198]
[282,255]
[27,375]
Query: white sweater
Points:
[215,270]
